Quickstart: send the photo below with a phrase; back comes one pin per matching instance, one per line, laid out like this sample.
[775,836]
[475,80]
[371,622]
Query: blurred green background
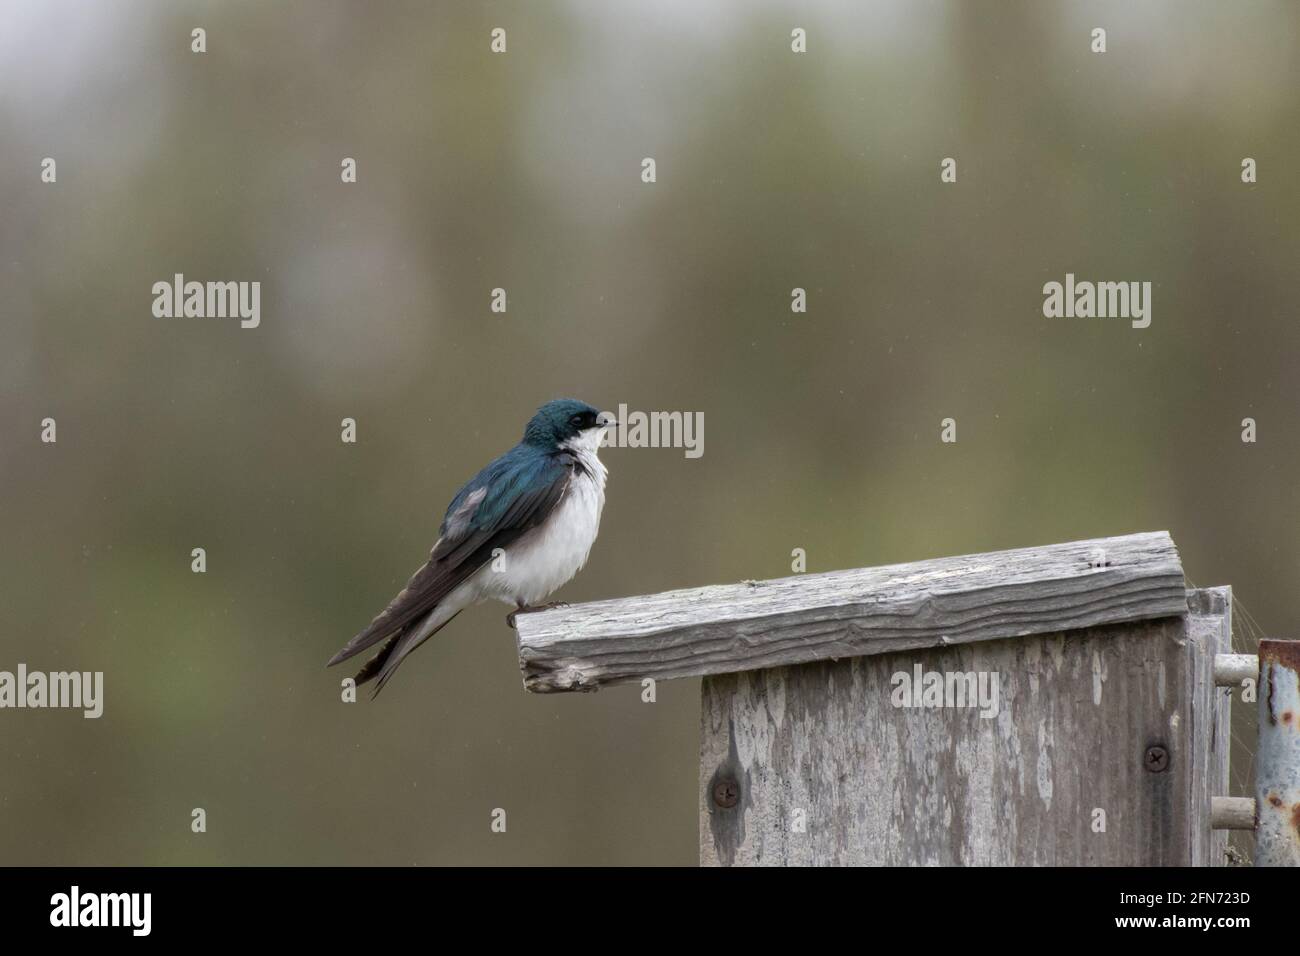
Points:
[522,171]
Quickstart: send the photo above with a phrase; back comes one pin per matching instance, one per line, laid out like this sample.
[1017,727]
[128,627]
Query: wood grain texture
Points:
[811,617]
[1209,631]
[821,744]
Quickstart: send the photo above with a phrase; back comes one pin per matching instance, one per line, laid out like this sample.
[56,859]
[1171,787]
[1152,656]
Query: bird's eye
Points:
[576,419]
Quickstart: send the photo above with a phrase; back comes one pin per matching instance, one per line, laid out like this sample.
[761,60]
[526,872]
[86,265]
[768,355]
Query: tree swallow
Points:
[516,531]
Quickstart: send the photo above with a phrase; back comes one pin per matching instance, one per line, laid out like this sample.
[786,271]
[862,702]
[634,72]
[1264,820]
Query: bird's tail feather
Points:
[373,666]
[384,664]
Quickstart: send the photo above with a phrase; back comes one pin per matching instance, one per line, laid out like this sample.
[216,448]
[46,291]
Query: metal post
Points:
[1232,813]
[1231,669]
[1277,764]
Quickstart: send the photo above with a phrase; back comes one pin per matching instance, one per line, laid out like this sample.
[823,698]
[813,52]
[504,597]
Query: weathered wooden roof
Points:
[813,617]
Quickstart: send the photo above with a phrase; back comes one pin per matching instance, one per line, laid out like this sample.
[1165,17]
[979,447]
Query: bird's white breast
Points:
[553,552]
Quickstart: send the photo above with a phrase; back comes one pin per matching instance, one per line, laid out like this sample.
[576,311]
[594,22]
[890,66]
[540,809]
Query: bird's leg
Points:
[525,608]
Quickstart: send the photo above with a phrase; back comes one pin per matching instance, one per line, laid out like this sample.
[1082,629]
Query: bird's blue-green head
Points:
[565,421]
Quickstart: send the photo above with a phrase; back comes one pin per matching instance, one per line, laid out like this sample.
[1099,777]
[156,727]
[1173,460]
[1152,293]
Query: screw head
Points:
[1156,759]
[726,793]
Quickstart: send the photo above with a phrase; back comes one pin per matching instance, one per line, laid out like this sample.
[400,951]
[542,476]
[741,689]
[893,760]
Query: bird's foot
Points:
[526,608]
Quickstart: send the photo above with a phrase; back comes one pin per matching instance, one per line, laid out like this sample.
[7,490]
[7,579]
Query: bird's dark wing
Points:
[506,499]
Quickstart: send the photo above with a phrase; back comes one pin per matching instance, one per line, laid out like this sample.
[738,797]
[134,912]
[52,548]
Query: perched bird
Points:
[539,503]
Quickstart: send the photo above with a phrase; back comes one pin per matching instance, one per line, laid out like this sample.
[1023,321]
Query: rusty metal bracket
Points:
[1274,812]
[1277,760]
